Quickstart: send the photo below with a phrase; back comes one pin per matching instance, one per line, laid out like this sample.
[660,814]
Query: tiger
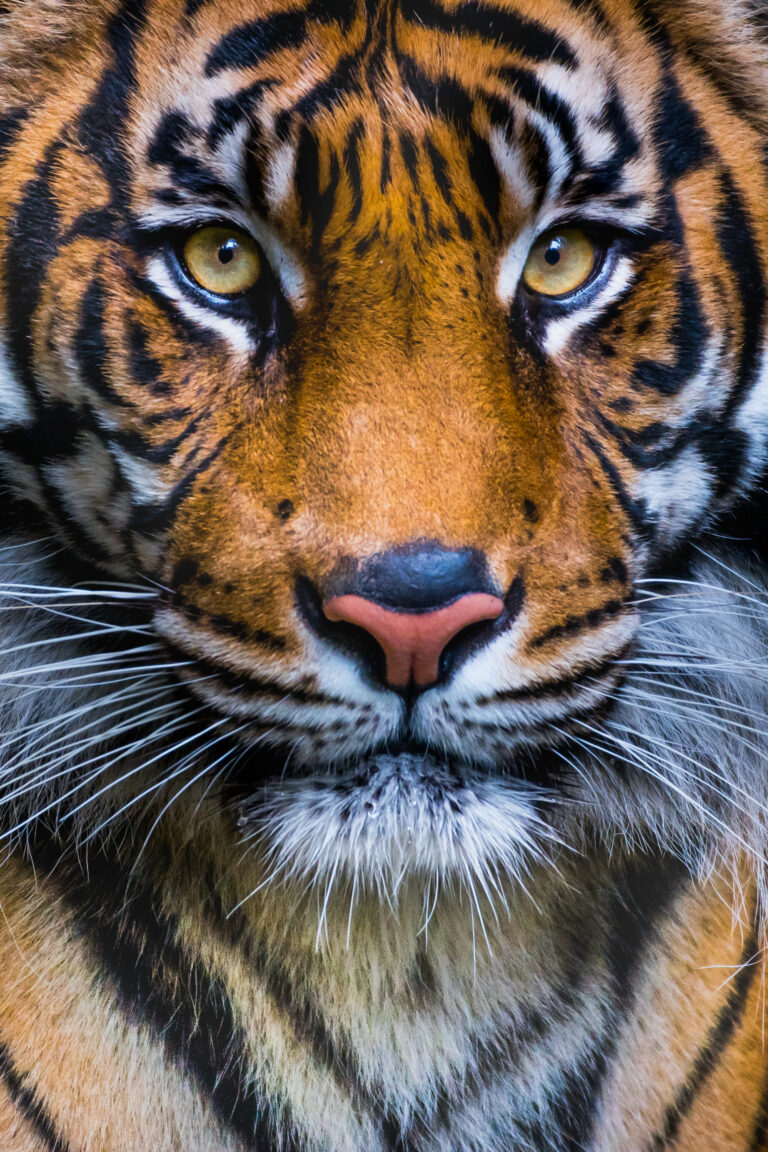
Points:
[383,574]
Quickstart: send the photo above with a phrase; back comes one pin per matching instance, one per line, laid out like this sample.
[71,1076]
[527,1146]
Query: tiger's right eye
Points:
[222,260]
[560,262]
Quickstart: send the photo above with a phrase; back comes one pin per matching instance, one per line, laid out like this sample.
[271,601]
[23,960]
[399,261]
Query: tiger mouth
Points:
[535,768]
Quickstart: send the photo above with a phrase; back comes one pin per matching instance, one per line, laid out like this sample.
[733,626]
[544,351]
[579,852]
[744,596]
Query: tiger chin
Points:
[383,575]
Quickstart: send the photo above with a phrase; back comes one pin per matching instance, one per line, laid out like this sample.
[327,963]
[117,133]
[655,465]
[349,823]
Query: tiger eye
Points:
[559,262]
[222,260]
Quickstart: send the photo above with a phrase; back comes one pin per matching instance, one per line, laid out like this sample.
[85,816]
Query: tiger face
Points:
[395,343]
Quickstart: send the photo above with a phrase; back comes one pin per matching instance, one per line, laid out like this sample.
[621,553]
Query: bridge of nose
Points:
[418,577]
[413,601]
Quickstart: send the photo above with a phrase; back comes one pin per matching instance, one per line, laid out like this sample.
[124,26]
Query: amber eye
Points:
[559,262]
[222,260]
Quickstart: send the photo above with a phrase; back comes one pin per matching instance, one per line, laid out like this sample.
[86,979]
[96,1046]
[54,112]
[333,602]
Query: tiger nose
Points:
[413,602]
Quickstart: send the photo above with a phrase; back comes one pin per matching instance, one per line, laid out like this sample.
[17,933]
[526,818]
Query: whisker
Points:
[739,575]
[224,759]
[101,737]
[33,735]
[92,797]
[640,761]
[111,755]
[696,584]
[705,697]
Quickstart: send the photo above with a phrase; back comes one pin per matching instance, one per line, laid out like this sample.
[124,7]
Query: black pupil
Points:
[227,251]
[553,252]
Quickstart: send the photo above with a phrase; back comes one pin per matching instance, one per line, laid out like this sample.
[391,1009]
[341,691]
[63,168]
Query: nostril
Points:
[476,636]
[341,635]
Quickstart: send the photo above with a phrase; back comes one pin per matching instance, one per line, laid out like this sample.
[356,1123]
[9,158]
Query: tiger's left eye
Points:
[560,262]
[222,260]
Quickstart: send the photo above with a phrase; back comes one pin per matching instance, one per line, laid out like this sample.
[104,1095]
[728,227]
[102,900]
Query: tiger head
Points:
[396,343]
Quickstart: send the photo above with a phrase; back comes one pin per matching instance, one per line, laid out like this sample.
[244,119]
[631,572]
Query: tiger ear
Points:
[728,39]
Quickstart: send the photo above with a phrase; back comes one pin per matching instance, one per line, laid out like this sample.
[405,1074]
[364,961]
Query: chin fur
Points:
[398,816]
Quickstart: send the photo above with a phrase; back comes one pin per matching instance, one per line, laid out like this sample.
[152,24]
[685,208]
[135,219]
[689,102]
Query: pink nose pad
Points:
[413,642]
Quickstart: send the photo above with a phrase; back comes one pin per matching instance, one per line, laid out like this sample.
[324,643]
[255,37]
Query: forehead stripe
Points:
[541,99]
[474,18]
[101,135]
[248,45]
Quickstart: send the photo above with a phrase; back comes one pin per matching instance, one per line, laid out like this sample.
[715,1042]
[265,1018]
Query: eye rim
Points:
[602,244]
[182,238]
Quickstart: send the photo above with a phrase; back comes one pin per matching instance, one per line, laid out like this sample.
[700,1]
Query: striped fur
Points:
[252,899]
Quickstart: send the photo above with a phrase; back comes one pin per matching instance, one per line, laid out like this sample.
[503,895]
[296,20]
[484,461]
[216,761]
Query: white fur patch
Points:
[14,406]
[234,332]
[560,331]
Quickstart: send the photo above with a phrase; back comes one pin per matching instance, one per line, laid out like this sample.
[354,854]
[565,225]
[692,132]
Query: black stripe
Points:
[682,144]
[642,893]
[27,262]
[528,86]
[134,442]
[537,160]
[324,203]
[248,45]
[642,897]
[226,626]
[552,689]
[187,171]
[740,250]
[573,625]
[410,155]
[307,172]
[707,1060]
[334,1053]
[146,369]
[229,111]
[443,96]
[157,517]
[688,337]
[635,510]
[101,134]
[595,10]
[90,345]
[759,1141]
[11,124]
[386,161]
[156,981]
[496,25]
[605,178]
[352,166]
[239,681]
[725,76]
[483,170]
[185,1008]
[28,1104]
[440,171]
[325,95]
